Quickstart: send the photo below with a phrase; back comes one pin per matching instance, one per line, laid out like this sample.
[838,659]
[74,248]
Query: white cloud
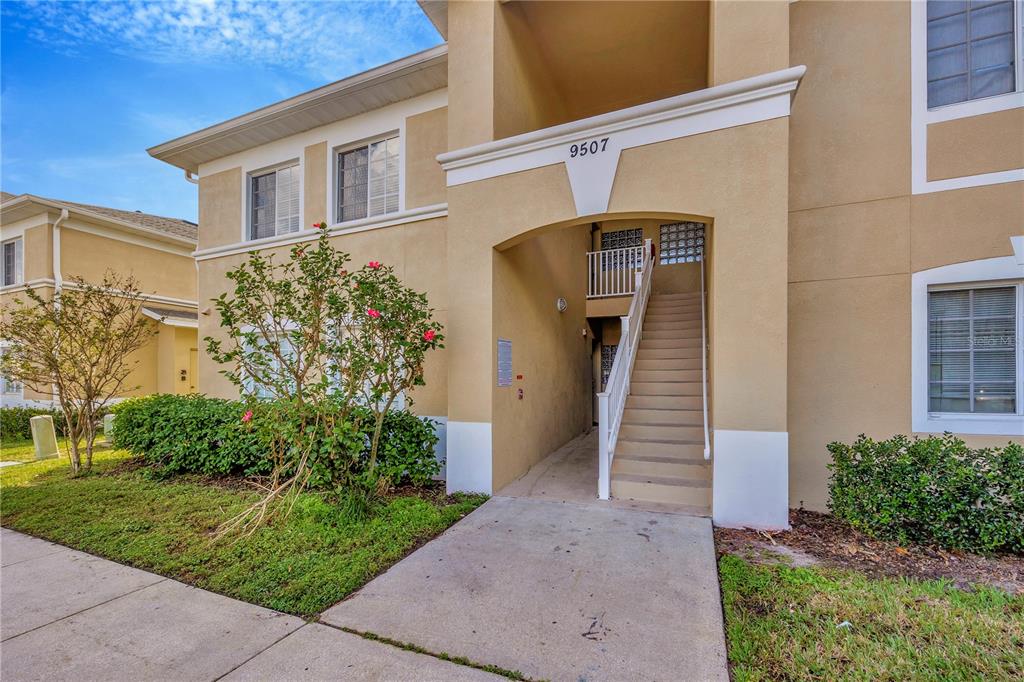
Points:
[326,40]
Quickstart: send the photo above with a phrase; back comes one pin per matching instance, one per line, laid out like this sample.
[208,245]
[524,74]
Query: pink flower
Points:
[247,417]
[374,264]
[429,335]
[342,272]
[373,313]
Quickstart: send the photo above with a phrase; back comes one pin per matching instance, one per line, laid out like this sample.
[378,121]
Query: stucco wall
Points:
[89,256]
[37,252]
[426,137]
[549,349]
[856,234]
[978,144]
[220,208]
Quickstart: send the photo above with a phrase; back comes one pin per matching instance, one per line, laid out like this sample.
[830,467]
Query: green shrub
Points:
[196,434]
[931,490]
[190,434]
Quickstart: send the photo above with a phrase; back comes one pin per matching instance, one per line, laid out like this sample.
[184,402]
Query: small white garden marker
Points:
[44,437]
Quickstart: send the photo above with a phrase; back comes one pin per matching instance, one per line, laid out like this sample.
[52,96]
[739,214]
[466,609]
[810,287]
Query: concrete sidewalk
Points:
[66,615]
[559,591]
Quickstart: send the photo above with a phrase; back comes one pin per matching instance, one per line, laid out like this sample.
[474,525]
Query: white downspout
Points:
[188,176]
[58,279]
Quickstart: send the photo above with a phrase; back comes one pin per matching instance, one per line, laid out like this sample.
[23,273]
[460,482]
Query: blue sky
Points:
[86,87]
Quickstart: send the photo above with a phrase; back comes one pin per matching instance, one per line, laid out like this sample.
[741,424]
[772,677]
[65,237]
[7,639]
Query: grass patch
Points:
[24,451]
[784,623]
[300,565]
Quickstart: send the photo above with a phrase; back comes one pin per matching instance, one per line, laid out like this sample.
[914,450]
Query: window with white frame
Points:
[12,264]
[974,49]
[973,349]
[9,386]
[366,180]
[274,200]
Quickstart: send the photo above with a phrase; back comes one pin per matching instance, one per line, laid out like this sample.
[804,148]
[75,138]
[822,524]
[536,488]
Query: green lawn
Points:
[783,623]
[24,451]
[302,565]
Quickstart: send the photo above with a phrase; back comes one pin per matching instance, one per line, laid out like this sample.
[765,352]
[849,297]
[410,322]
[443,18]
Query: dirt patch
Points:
[821,539]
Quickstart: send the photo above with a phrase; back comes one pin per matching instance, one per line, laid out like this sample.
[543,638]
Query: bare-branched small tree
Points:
[79,343]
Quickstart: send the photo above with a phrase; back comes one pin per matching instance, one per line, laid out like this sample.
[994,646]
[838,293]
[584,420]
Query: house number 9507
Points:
[585,148]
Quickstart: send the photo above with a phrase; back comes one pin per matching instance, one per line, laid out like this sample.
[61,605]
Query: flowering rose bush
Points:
[307,342]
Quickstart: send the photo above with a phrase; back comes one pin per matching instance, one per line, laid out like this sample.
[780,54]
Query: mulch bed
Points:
[820,539]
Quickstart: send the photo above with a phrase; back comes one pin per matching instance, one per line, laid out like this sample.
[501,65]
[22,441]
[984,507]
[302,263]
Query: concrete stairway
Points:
[659,456]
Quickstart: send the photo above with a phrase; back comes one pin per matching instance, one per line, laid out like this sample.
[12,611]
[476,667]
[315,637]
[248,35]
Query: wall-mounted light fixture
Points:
[562,304]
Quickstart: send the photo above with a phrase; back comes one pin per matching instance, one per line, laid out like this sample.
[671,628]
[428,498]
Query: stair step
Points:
[645,352]
[669,343]
[685,327]
[659,467]
[634,415]
[686,295]
[666,363]
[661,374]
[641,448]
[672,334]
[665,308]
[666,388]
[672,315]
[661,432]
[664,402]
[669,489]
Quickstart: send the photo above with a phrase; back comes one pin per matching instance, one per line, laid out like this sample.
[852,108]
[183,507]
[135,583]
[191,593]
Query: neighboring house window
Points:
[13,266]
[973,49]
[367,180]
[9,386]
[621,239]
[973,336]
[274,202]
[681,243]
[273,370]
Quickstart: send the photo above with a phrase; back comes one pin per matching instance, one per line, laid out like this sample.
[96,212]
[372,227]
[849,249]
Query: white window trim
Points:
[19,262]
[19,395]
[921,116]
[332,176]
[247,176]
[986,272]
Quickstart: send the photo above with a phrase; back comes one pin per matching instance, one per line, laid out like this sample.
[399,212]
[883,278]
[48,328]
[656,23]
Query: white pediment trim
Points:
[591,175]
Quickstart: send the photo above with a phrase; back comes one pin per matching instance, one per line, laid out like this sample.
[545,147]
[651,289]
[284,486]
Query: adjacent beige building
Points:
[48,243]
[725,232]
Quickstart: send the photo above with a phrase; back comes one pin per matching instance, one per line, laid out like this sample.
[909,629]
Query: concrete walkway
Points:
[559,591]
[66,615]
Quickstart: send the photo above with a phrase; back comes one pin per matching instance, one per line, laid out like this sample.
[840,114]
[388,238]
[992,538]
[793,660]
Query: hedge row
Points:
[933,490]
[15,424]
[196,434]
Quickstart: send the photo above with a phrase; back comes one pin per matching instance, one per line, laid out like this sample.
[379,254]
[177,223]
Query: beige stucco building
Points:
[831,192]
[48,243]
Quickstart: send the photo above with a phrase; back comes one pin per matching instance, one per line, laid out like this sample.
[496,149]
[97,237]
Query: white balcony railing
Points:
[613,272]
[612,400]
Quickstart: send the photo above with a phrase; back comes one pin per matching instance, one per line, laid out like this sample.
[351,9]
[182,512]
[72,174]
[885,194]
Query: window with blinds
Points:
[367,179]
[972,49]
[274,200]
[11,265]
[972,350]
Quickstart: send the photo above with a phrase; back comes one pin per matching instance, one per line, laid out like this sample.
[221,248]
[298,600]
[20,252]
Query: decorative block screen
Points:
[607,358]
[681,243]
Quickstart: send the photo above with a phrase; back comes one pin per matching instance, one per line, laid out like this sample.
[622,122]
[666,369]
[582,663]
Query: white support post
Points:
[603,473]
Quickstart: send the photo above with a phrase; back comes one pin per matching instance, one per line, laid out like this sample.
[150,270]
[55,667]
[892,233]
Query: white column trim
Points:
[750,486]
[469,466]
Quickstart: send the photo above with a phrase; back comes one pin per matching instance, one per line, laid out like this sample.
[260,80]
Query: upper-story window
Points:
[274,200]
[974,49]
[12,265]
[973,350]
[367,180]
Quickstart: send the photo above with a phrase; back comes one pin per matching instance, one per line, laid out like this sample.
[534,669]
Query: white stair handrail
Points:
[704,357]
[612,272]
[612,400]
